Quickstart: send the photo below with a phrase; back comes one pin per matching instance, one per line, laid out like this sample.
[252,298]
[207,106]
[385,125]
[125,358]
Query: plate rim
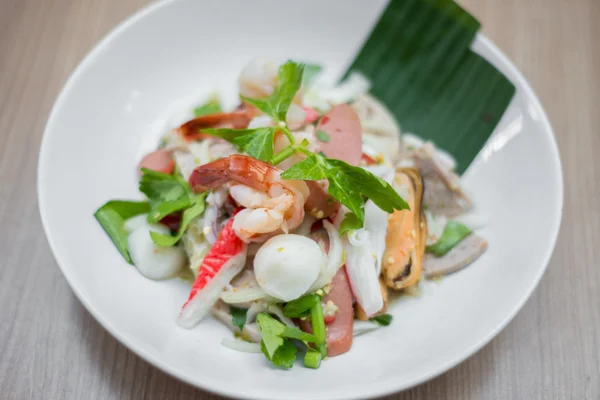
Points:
[386,387]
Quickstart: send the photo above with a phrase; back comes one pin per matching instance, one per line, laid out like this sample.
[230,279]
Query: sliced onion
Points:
[355,85]
[376,223]
[305,226]
[335,257]
[256,308]
[435,227]
[361,327]
[243,295]
[277,311]
[473,220]
[362,271]
[214,202]
[241,345]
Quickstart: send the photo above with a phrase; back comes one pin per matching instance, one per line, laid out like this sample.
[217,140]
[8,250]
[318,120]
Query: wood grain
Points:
[51,348]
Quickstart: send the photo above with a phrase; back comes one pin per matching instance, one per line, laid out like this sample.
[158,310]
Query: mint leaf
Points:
[112,217]
[311,71]
[383,319]
[277,104]
[258,143]
[453,233]
[188,215]
[348,184]
[238,316]
[322,136]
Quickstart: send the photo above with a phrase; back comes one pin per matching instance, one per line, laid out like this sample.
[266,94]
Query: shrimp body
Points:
[272,205]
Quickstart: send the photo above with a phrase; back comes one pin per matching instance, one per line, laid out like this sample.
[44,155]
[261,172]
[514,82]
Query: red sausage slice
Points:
[342,125]
[339,328]
[159,160]
[339,331]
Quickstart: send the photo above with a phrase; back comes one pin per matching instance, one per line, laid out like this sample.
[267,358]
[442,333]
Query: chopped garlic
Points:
[329,309]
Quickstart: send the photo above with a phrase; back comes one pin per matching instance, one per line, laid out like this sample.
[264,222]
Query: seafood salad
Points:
[296,215]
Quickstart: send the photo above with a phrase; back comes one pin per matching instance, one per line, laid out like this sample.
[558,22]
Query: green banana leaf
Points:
[419,61]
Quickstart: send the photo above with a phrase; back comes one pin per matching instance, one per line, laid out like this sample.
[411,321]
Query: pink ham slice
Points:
[159,160]
[342,125]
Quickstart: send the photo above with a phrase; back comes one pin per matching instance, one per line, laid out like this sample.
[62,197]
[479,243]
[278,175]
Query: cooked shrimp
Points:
[272,205]
[238,119]
[260,77]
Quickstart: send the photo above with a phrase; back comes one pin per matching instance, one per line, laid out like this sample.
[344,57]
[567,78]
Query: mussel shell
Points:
[406,234]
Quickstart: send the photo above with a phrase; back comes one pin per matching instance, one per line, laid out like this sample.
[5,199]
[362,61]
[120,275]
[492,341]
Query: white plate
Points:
[113,109]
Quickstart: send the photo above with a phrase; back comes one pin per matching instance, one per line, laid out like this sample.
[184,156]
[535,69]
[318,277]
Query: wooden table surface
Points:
[51,348]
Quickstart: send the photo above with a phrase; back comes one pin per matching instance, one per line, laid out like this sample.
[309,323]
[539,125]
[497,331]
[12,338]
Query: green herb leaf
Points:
[350,223]
[270,332]
[211,107]
[276,105]
[295,333]
[348,184]
[258,143]
[322,136]
[112,217]
[238,316]
[453,233]
[311,71]
[383,320]
[284,356]
[419,61]
[188,215]
[275,339]
[166,193]
[301,306]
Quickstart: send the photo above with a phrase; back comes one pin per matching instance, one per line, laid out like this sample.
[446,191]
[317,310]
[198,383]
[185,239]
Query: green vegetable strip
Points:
[312,359]
[112,217]
[383,320]
[454,232]
[318,325]
[419,62]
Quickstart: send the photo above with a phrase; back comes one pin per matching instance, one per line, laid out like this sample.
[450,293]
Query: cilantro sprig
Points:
[276,343]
